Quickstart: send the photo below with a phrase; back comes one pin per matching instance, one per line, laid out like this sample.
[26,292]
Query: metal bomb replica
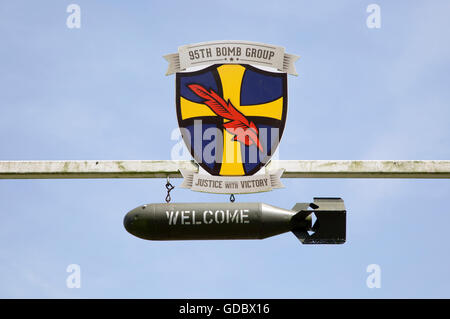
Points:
[320,222]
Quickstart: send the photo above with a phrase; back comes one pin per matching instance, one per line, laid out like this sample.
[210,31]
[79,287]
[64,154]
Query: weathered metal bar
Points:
[164,168]
[363,169]
[93,169]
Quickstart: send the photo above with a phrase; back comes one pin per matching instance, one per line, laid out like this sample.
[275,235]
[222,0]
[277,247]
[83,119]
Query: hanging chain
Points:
[232,199]
[169,188]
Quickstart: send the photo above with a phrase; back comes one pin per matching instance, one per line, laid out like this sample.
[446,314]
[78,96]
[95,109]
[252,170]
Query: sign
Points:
[231,185]
[231,112]
[231,52]
[196,221]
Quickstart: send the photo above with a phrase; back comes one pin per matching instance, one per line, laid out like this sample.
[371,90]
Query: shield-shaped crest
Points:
[231,116]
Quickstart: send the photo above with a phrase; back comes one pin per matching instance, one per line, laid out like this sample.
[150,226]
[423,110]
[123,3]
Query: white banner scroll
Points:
[231,184]
[231,52]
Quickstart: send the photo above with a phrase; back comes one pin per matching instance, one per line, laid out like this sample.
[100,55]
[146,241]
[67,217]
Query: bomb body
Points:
[194,221]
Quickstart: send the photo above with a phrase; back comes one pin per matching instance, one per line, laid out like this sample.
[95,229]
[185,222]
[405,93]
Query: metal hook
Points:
[169,188]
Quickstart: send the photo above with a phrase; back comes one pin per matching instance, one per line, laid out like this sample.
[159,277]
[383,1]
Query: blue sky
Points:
[100,92]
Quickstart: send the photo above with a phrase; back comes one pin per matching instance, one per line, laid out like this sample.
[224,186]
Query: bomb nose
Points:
[130,221]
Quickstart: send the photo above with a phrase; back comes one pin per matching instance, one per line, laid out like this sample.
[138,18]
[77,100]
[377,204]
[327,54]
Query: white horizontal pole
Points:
[93,169]
[362,169]
[169,168]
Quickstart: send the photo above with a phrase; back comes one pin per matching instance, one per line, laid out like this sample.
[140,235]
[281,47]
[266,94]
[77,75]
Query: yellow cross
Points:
[231,77]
